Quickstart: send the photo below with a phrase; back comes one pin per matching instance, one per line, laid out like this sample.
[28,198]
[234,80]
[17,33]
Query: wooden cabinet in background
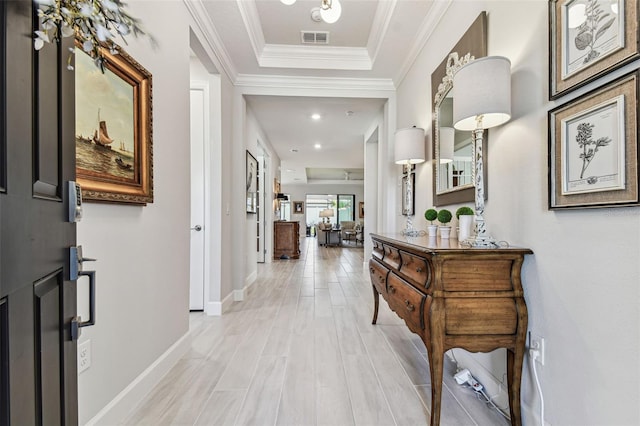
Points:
[454,298]
[286,239]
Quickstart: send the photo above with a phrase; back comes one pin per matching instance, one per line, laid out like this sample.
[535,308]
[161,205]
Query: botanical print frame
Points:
[581,52]
[408,200]
[593,148]
[251,183]
[114,149]
[298,207]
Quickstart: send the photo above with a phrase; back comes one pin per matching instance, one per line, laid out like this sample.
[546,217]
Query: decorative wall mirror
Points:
[453,165]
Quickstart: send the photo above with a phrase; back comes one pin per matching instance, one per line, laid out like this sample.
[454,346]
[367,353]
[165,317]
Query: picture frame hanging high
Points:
[251,183]
[588,39]
[114,137]
[593,148]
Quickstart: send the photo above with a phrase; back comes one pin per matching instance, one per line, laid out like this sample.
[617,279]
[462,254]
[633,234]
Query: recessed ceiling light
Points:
[315,116]
[290,170]
[317,146]
[293,150]
[349,113]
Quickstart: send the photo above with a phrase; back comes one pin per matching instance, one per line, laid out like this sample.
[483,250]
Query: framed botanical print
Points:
[593,148]
[588,39]
[251,183]
[298,207]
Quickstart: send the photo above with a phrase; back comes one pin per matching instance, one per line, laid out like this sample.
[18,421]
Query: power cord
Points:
[464,377]
[533,356]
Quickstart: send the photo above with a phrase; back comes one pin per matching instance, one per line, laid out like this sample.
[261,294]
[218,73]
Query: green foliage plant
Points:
[431,215]
[464,210]
[444,216]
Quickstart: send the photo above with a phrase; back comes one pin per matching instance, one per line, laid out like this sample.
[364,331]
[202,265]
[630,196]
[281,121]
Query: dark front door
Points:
[37,300]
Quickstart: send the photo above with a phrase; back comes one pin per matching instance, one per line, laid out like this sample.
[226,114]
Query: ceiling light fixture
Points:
[315,116]
[317,146]
[330,10]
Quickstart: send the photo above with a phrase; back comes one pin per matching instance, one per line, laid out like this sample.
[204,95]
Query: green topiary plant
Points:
[464,211]
[444,216]
[431,215]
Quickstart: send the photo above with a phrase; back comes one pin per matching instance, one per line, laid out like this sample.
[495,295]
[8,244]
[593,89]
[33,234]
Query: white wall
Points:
[582,283]
[143,264]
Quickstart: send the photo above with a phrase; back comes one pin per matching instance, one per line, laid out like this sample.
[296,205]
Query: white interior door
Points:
[196,293]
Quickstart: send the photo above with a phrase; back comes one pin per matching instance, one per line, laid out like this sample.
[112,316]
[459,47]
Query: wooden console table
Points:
[454,297]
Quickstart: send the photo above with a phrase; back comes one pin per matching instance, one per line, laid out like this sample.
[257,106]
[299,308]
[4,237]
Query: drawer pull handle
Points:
[381,279]
[371,270]
[418,270]
[392,289]
[410,307]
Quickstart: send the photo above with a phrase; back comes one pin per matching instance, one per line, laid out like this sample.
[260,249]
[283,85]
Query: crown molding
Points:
[379,27]
[201,18]
[429,24]
[315,57]
[301,82]
[251,18]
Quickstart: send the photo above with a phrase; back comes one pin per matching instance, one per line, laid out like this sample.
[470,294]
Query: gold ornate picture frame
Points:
[114,148]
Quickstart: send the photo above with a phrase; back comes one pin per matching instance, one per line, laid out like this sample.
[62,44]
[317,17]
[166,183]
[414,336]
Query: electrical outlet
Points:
[537,344]
[84,356]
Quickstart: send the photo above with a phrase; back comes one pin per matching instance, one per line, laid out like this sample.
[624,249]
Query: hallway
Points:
[301,350]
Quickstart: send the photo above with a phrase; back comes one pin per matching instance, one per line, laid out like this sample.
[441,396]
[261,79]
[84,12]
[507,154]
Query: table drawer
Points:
[391,256]
[406,301]
[415,269]
[480,316]
[378,250]
[378,275]
[477,275]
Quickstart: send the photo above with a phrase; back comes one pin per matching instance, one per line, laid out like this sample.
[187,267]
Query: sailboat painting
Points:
[113,129]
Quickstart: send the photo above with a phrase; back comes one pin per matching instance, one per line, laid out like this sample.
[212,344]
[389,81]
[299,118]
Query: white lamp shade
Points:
[447,140]
[332,14]
[409,145]
[482,88]
[288,2]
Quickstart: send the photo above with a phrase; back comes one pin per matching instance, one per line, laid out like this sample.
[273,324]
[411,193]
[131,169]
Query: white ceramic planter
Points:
[445,232]
[432,230]
[465,223]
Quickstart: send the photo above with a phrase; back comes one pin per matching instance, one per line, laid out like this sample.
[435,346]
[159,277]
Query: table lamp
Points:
[482,99]
[409,149]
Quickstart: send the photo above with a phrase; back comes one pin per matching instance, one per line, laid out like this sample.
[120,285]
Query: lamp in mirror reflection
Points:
[482,99]
[447,141]
[409,148]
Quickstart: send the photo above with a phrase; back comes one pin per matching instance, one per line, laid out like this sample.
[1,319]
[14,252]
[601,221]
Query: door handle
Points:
[76,322]
[197,228]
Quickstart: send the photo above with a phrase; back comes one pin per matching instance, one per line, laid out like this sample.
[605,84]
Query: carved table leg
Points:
[514,374]
[435,367]
[376,302]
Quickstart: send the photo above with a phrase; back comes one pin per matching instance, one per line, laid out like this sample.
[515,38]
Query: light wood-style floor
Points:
[301,350]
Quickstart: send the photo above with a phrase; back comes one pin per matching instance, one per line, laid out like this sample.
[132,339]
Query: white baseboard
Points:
[218,308]
[213,309]
[123,404]
[238,295]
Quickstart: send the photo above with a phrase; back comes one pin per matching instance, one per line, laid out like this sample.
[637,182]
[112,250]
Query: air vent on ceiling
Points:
[315,37]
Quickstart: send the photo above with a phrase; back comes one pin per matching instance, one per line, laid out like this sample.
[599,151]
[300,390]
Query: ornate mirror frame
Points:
[473,44]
